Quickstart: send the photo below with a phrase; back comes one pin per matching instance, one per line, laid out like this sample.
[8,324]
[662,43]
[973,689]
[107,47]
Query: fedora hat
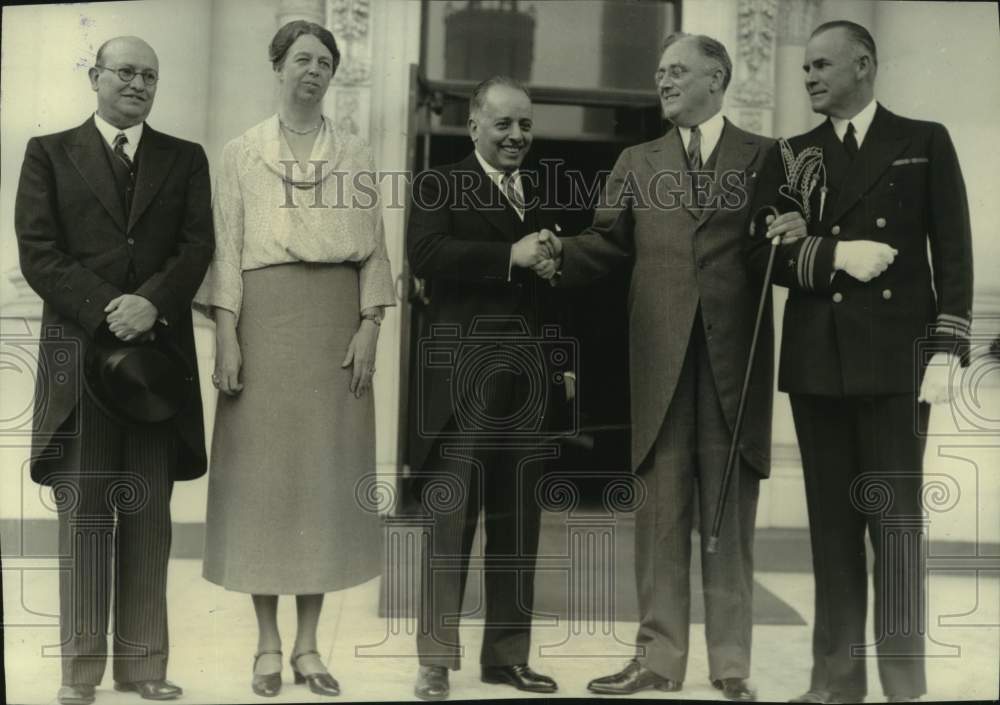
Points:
[137,382]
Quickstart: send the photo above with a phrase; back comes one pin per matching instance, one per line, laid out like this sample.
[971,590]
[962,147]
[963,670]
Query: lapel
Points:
[87,152]
[491,203]
[735,152]
[155,160]
[880,148]
[667,154]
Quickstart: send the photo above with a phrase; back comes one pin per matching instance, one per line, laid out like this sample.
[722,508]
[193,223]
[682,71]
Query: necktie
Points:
[694,149]
[513,194]
[850,141]
[119,148]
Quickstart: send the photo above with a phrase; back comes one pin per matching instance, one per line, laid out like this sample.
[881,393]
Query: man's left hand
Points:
[936,387]
[130,316]
[787,226]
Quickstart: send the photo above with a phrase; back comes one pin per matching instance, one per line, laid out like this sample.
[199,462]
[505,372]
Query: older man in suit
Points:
[870,320]
[473,233]
[675,209]
[114,229]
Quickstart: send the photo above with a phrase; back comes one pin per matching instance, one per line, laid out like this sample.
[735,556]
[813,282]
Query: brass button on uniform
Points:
[835,230]
[880,222]
[886,294]
[838,297]
[131,241]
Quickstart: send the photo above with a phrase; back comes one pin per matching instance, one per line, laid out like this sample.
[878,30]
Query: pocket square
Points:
[912,160]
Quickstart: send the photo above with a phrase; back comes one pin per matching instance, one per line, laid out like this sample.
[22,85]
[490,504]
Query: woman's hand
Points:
[361,352]
[228,359]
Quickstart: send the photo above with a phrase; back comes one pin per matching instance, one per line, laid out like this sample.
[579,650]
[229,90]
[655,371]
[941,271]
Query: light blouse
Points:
[267,210]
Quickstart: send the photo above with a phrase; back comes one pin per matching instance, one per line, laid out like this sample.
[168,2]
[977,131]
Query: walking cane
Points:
[713,540]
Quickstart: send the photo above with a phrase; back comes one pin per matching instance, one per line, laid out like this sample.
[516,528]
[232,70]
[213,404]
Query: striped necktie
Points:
[513,194]
[694,149]
[119,148]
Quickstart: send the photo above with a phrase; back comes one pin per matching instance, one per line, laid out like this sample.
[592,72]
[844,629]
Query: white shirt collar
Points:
[711,131]
[109,132]
[497,175]
[862,121]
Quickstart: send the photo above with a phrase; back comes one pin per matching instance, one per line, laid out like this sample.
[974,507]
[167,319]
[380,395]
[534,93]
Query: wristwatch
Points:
[375,316]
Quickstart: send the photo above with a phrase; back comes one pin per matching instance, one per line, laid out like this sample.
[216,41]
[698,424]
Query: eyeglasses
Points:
[127,73]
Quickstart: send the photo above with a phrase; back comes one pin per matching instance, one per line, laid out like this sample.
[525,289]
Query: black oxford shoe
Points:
[151,690]
[824,697]
[75,695]
[735,689]
[632,679]
[432,683]
[519,676]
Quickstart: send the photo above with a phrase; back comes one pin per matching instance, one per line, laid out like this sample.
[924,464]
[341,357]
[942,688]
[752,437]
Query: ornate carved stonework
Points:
[350,95]
[350,22]
[350,19]
[796,21]
[756,32]
[753,92]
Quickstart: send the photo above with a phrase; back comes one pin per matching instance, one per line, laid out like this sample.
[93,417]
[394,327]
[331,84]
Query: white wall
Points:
[939,61]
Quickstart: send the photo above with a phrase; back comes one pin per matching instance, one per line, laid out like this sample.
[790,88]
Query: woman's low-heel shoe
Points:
[267,684]
[319,683]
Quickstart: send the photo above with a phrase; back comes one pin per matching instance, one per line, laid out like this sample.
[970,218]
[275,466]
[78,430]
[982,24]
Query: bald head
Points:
[127,44]
[125,76]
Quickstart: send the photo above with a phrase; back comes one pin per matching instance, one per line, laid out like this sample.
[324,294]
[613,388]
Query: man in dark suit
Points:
[114,229]
[473,233]
[675,209]
[866,312]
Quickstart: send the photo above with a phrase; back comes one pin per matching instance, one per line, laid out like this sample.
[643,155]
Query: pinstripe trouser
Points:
[684,471]
[113,492]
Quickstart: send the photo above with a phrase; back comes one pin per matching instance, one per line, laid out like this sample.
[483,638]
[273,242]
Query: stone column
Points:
[394,37]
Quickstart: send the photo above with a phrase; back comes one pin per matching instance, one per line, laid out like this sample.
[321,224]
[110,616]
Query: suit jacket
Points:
[683,257]
[76,242]
[843,337]
[459,239]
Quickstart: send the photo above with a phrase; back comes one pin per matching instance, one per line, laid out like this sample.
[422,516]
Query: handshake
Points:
[540,251]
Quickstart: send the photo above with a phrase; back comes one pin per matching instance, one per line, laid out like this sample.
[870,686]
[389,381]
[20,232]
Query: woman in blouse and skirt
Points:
[297,292]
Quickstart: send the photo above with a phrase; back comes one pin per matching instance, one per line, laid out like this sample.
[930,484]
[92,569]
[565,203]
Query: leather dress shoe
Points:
[633,678]
[735,689]
[432,683]
[76,695]
[822,697]
[151,690]
[520,676]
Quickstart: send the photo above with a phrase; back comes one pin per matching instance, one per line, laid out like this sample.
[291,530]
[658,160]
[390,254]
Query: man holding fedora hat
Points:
[114,229]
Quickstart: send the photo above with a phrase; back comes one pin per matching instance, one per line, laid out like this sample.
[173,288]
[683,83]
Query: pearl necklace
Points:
[300,132]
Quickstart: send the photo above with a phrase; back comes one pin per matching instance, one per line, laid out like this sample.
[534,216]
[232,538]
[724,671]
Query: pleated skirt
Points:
[293,455]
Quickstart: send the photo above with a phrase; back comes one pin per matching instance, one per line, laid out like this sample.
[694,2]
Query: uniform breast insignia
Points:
[803,172]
